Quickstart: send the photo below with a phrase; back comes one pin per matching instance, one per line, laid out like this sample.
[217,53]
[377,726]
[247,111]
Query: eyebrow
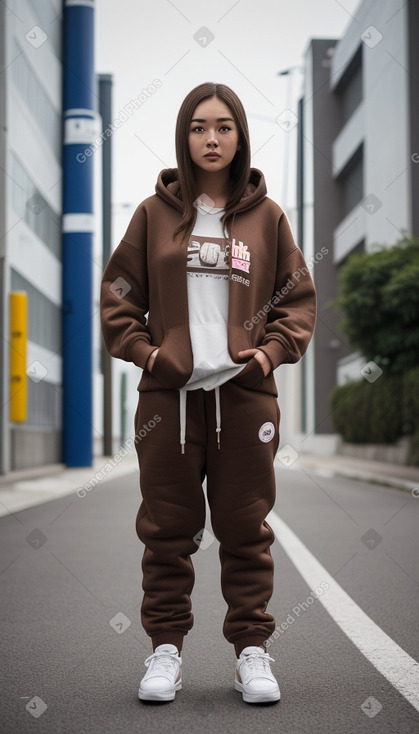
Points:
[219,119]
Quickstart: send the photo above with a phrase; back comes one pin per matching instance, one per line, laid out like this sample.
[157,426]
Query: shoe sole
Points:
[159,695]
[257,697]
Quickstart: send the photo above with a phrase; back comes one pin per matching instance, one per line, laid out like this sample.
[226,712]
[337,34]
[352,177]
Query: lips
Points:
[211,155]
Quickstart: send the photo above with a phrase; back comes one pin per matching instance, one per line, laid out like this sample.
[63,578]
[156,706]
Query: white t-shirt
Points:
[207,281]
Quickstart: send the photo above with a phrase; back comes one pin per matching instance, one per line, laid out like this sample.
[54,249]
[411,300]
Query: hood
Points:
[168,188]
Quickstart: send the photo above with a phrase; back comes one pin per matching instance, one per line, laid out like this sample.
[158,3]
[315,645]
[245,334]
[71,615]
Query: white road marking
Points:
[401,670]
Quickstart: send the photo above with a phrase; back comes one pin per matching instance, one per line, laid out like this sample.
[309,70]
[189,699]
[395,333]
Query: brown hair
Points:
[239,167]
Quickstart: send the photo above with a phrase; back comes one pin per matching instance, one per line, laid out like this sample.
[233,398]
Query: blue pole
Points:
[79,131]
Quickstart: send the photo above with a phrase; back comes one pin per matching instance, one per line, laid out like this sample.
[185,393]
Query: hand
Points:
[150,361]
[260,356]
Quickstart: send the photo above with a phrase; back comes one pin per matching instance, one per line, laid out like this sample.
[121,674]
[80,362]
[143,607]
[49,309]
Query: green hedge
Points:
[410,405]
[379,412]
[379,300]
[414,450]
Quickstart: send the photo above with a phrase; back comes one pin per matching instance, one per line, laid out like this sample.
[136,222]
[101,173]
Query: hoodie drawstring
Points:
[182,405]
[182,409]
[218,415]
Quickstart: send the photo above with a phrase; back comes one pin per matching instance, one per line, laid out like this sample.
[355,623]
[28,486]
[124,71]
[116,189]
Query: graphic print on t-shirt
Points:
[240,260]
[210,256]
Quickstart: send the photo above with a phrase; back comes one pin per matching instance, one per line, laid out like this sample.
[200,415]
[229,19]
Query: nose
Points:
[212,138]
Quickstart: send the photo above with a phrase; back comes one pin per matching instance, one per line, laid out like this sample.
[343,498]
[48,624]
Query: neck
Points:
[214,185]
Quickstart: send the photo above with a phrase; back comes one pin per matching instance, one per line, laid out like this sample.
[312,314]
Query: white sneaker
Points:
[254,677]
[164,675]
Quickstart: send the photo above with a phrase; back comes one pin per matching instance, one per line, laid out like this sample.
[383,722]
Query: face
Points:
[207,132]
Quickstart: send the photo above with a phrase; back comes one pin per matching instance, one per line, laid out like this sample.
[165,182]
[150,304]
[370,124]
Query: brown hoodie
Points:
[144,304]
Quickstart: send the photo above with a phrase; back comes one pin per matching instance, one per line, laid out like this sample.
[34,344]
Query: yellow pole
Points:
[18,350]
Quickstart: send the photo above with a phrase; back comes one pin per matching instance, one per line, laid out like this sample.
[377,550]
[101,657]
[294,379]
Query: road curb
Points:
[361,476]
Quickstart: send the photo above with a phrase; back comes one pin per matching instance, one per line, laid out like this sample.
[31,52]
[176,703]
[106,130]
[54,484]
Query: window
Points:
[50,21]
[29,204]
[351,181]
[349,89]
[358,248]
[44,317]
[36,99]
[44,405]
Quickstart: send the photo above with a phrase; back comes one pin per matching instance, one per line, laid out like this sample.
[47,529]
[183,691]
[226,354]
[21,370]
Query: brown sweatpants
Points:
[241,491]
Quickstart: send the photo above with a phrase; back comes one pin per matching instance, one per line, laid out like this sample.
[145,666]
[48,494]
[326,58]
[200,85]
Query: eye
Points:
[199,127]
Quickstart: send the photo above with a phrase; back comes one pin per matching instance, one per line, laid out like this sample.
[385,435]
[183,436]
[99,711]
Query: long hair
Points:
[239,167]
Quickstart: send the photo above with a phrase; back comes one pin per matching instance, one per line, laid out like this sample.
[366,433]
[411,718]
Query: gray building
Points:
[358,178]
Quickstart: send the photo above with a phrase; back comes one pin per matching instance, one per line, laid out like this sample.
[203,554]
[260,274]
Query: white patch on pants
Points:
[266,432]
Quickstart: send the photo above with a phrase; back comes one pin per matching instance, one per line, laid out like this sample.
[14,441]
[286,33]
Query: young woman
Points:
[208,293]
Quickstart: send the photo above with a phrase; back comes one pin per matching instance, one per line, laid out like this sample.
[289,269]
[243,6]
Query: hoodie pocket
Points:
[251,376]
[173,364]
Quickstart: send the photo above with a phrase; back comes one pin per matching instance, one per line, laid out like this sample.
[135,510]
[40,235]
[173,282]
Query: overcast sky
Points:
[138,42]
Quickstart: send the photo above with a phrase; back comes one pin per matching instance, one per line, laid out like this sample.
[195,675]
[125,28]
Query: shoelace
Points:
[161,661]
[258,661]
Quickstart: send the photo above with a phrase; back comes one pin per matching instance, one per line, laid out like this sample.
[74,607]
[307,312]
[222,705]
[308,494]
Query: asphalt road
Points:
[73,647]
